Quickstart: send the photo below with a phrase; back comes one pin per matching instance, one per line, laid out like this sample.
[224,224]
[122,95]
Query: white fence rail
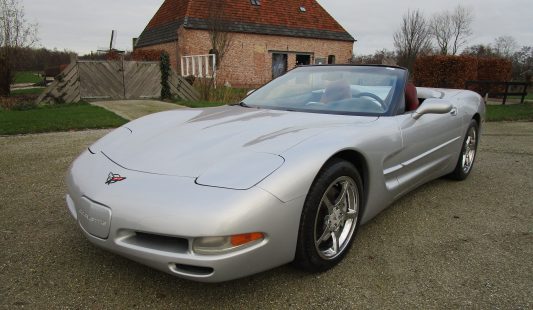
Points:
[201,66]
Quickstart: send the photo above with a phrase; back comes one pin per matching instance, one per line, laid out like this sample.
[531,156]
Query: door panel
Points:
[429,145]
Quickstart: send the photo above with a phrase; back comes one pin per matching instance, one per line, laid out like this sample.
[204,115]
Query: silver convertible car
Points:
[287,175]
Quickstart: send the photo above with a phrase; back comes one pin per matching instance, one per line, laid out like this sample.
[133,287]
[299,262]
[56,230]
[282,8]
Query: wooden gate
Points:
[119,80]
[142,80]
[101,80]
[114,80]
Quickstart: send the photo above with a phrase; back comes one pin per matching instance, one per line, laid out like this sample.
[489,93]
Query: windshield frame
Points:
[395,101]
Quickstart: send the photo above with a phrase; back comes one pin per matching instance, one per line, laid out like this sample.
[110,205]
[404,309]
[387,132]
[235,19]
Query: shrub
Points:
[146,55]
[113,56]
[7,103]
[17,103]
[493,69]
[165,75]
[190,79]
[445,71]
[453,72]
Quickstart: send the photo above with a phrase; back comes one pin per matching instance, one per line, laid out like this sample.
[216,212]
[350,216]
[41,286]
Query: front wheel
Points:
[330,217]
[468,152]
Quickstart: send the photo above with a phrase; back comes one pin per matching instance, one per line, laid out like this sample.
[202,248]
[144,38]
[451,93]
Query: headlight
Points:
[241,171]
[221,245]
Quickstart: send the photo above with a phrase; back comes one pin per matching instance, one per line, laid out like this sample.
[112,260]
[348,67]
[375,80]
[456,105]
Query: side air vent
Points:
[194,271]
[158,242]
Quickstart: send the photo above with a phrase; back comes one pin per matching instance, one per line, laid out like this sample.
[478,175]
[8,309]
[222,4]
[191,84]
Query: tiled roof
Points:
[273,17]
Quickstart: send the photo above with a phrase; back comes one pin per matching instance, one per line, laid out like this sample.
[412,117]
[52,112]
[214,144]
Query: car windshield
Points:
[358,90]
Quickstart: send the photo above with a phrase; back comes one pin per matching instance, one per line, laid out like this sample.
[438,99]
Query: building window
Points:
[320,61]
[255,2]
[279,64]
[331,59]
[303,59]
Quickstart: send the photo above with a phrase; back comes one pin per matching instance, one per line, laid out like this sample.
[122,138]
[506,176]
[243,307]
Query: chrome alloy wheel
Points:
[336,217]
[469,150]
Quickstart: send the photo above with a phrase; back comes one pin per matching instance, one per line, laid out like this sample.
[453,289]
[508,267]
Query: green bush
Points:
[165,74]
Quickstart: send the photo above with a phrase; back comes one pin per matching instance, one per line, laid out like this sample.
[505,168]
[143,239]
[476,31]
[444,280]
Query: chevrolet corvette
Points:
[287,175]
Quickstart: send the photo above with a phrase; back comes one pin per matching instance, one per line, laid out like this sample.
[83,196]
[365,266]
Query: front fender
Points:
[376,143]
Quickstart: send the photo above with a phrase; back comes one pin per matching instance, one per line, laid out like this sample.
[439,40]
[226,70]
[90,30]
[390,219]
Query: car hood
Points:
[186,142]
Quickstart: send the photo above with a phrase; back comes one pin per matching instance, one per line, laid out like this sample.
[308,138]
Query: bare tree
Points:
[382,57]
[16,33]
[479,50]
[218,27]
[451,29]
[461,19]
[412,39]
[523,64]
[505,46]
[442,31]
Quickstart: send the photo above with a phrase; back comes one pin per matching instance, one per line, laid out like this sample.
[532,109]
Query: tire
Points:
[465,163]
[330,217]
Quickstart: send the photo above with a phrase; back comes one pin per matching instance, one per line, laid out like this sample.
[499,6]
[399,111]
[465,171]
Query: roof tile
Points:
[276,17]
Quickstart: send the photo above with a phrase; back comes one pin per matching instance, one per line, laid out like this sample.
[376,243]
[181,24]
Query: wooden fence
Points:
[113,80]
[490,89]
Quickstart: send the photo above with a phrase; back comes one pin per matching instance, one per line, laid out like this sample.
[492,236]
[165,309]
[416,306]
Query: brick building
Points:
[268,37]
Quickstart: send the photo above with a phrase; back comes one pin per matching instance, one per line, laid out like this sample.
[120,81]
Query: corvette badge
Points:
[114,178]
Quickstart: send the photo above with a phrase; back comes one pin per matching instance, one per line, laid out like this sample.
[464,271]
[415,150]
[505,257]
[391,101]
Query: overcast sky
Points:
[85,26]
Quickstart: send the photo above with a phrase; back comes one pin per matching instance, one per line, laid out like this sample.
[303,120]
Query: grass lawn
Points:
[199,104]
[510,112]
[528,97]
[27,91]
[27,77]
[57,118]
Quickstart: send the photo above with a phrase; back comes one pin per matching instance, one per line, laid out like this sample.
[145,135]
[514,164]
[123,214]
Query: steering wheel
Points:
[376,98]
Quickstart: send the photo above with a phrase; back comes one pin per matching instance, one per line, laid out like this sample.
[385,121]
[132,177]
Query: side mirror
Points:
[432,108]
[250,92]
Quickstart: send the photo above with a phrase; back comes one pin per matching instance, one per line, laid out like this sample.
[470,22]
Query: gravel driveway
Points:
[447,245]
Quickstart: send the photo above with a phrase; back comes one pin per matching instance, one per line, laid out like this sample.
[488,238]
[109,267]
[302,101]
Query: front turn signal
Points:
[221,245]
[241,239]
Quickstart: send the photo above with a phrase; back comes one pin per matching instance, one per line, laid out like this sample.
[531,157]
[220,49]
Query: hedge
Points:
[445,71]
[146,55]
[453,71]
[493,69]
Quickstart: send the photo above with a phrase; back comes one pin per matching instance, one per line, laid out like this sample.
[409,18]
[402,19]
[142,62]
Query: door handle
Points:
[453,112]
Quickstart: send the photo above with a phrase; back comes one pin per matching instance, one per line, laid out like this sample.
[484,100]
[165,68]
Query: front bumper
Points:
[152,219]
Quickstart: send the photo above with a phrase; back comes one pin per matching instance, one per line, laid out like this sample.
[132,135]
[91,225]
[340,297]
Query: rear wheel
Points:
[468,152]
[330,217]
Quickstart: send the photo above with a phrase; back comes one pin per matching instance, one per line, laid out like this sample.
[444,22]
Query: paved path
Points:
[133,109]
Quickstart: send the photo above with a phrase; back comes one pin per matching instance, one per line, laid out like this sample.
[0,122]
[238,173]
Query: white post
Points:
[193,67]
[200,73]
[182,69]
[207,66]
[215,70]
[187,59]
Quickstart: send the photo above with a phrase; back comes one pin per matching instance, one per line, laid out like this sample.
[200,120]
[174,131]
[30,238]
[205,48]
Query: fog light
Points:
[220,245]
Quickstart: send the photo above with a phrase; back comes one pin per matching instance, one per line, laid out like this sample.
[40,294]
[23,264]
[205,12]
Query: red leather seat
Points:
[411,97]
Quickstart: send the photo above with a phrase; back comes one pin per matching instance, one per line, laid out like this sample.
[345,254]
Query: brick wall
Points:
[248,62]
